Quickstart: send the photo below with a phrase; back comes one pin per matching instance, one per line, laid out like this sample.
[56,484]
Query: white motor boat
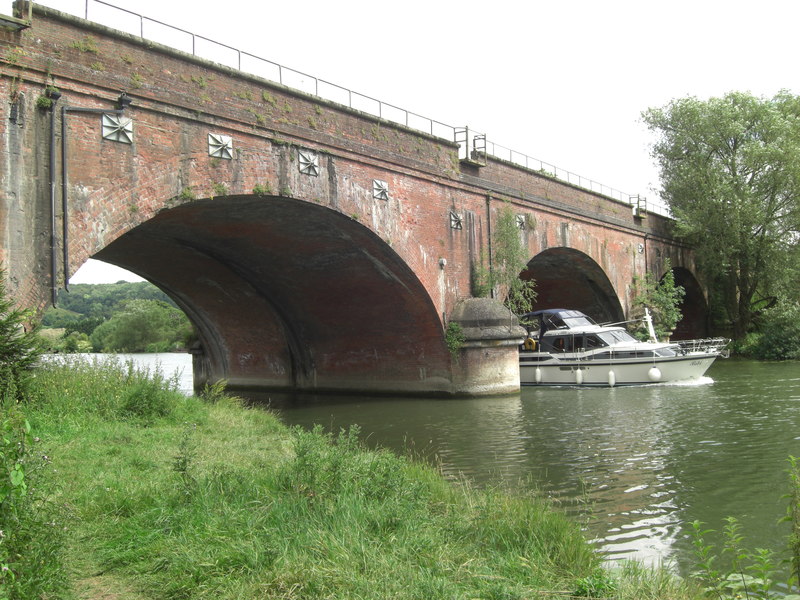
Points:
[565,347]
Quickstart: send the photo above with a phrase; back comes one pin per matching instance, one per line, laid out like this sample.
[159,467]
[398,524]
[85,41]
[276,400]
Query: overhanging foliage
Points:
[730,171]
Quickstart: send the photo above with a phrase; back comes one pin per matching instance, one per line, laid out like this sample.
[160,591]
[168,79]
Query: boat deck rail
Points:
[716,344]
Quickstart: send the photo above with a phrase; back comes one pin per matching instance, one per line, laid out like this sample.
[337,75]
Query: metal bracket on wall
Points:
[22,19]
[471,150]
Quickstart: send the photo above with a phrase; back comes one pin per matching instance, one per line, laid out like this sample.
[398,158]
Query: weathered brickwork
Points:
[324,227]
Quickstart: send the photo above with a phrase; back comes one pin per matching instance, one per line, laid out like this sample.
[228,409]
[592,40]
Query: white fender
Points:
[654,374]
[579,376]
[537,375]
[612,378]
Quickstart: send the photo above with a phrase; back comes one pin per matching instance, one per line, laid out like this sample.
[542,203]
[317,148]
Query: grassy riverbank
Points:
[154,495]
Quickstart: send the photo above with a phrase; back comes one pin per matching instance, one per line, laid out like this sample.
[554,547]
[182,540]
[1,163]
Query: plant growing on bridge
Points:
[187,194]
[269,98]
[730,175]
[200,81]
[44,103]
[260,119]
[454,337]
[219,189]
[662,297]
[508,259]
[245,95]
[262,189]
[86,44]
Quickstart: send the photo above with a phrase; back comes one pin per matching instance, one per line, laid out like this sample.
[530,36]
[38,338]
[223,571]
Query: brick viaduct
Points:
[314,247]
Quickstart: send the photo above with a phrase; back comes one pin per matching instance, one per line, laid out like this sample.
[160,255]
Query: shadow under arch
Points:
[568,278]
[694,307]
[290,295]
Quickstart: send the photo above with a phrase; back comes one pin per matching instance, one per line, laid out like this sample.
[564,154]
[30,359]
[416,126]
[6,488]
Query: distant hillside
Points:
[98,301]
[116,317]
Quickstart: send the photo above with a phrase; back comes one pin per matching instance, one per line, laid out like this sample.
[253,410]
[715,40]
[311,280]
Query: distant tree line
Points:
[116,317]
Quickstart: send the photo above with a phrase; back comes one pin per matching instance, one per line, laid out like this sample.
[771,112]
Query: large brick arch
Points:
[289,294]
[568,278]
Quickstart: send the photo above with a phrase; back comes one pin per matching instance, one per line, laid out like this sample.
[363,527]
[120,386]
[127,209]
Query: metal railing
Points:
[706,346]
[157,31]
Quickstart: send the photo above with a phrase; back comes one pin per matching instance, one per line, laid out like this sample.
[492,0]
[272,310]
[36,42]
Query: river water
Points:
[635,465]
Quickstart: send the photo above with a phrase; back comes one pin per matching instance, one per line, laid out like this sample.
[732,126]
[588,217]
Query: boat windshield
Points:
[616,337]
[577,321]
[567,319]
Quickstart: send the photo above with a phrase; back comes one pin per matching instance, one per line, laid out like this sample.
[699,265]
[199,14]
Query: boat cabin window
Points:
[593,341]
[571,343]
[667,352]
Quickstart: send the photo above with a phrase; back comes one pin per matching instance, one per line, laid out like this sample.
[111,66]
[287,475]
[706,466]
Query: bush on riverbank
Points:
[175,497]
[777,336]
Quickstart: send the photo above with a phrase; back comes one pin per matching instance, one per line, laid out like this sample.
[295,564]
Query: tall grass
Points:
[173,497]
[31,523]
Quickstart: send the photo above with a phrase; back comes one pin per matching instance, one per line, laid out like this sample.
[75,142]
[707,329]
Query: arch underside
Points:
[694,308]
[570,279]
[290,295]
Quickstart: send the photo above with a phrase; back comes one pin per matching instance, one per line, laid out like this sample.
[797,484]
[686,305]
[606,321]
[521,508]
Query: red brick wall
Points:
[178,100]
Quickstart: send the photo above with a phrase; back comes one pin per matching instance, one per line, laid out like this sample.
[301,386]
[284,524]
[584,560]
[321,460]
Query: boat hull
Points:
[536,369]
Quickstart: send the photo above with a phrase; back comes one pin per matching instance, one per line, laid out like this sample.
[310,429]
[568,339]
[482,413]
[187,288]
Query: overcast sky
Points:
[562,81]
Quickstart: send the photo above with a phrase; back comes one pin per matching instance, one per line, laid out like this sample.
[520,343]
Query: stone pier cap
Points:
[486,322]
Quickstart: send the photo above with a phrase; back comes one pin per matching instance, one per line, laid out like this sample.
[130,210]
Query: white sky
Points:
[562,81]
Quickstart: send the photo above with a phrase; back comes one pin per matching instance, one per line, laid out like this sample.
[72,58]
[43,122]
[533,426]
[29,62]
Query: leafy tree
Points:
[76,342]
[59,317]
[730,171]
[509,259]
[84,325]
[142,326]
[19,346]
[663,298]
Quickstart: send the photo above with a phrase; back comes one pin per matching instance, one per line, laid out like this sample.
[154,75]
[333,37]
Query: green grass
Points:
[163,496]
